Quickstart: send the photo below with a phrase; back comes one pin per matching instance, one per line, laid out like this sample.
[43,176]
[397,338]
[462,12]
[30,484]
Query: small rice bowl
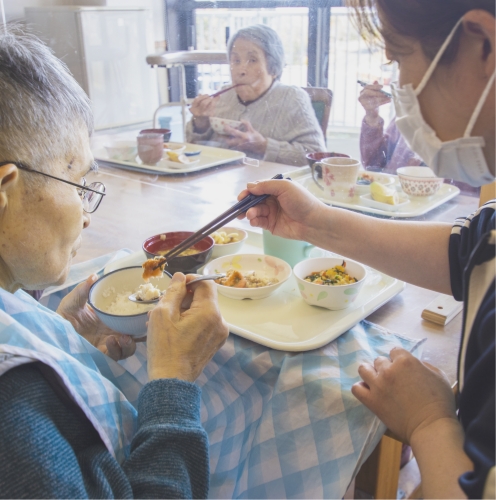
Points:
[109,297]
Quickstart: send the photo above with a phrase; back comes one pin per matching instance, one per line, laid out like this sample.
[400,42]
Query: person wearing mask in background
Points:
[279,123]
[386,151]
[445,109]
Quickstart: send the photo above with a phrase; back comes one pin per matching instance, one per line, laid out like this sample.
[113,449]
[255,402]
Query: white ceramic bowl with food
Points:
[174,147]
[333,297]
[419,181]
[365,179]
[221,249]
[218,124]
[264,267]
[108,297]
[122,150]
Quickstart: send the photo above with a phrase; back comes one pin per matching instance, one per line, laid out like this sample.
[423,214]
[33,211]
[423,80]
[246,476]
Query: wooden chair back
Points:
[321,99]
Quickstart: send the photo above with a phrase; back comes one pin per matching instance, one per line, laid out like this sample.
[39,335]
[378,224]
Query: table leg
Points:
[379,475]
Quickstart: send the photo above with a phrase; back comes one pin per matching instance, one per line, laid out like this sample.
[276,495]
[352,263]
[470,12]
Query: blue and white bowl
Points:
[111,287]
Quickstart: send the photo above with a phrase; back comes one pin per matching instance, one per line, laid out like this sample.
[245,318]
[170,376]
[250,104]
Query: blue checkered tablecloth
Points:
[281,425]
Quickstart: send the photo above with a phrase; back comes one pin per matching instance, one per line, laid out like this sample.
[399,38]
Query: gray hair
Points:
[268,40]
[43,110]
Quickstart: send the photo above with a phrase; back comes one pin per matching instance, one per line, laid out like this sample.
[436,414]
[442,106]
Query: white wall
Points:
[14,9]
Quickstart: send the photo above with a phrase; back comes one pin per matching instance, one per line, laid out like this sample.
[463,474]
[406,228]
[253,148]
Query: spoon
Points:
[133,298]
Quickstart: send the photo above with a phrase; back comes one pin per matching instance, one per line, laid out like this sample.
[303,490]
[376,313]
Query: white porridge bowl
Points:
[333,297]
[110,293]
[265,266]
[221,249]
[122,150]
[218,124]
[419,181]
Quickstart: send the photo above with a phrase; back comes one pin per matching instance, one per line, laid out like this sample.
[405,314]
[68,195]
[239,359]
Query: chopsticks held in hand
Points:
[225,90]
[241,207]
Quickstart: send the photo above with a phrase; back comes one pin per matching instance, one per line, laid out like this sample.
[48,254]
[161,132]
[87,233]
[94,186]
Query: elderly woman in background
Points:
[279,123]
[67,428]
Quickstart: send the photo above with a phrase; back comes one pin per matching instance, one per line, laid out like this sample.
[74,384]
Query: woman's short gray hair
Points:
[268,40]
[43,110]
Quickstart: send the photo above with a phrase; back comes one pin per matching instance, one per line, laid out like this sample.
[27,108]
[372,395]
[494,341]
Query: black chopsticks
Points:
[239,208]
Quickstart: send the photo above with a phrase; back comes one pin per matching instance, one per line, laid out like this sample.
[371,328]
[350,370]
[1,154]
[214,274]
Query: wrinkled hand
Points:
[247,140]
[405,393]
[75,309]
[202,108]
[290,212]
[185,330]
[371,99]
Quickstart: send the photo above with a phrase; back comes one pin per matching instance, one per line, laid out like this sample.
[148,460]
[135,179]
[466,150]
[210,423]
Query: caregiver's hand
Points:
[290,211]
[75,309]
[247,140]
[409,396]
[184,332]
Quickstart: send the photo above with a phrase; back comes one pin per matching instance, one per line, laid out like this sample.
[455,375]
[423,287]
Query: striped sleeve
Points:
[466,233]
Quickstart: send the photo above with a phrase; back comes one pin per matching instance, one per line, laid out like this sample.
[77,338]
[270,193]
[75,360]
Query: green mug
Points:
[291,251]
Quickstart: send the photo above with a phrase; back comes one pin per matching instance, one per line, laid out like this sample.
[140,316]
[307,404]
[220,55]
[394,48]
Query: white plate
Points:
[418,205]
[284,321]
[177,165]
[209,157]
[368,201]
[386,179]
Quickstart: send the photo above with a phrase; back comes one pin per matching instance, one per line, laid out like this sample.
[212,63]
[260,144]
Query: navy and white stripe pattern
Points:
[473,272]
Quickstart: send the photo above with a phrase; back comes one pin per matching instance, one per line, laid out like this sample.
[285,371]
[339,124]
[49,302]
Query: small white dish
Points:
[123,281]
[229,248]
[177,147]
[263,265]
[368,201]
[385,179]
[331,297]
[218,124]
[176,164]
[122,150]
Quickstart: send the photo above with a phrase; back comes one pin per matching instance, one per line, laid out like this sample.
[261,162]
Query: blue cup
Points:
[165,121]
[291,251]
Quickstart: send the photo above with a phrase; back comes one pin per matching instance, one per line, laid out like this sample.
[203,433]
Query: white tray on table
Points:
[283,320]
[419,205]
[209,157]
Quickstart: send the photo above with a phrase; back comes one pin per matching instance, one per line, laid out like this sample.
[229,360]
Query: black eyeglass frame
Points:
[26,168]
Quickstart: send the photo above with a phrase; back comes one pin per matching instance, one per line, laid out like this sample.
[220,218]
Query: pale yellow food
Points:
[163,237]
[248,279]
[178,157]
[222,238]
[383,194]
[184,253]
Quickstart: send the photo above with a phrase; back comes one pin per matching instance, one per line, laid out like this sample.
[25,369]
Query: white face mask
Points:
[461,159]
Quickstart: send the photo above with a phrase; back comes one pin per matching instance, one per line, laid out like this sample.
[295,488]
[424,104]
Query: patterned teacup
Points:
[339,176]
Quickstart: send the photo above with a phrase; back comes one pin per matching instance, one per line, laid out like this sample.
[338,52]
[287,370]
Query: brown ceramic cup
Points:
[150,148]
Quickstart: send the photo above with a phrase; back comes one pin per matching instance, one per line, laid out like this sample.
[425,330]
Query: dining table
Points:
[138,205]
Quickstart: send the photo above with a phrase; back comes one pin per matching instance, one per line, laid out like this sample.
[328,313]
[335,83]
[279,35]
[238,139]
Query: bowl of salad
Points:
[330,282]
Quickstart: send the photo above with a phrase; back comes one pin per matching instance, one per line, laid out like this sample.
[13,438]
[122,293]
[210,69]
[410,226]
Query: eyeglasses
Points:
[91,195]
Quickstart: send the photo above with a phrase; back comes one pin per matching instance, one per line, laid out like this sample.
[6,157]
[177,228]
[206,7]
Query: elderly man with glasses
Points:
[71,426]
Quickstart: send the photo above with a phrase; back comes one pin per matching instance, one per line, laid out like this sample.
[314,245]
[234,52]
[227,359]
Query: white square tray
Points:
[284,321]
[209,157]
[419,205]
